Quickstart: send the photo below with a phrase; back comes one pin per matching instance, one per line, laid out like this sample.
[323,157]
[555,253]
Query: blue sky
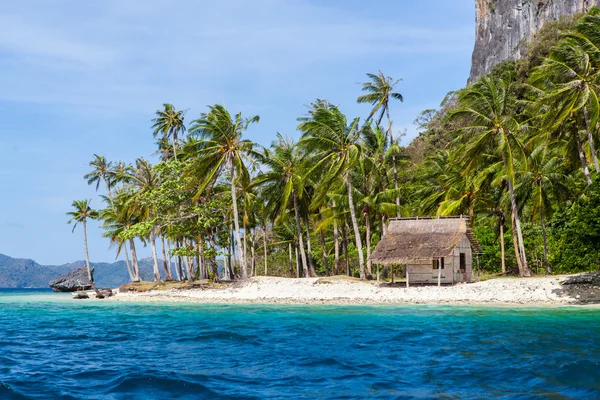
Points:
[82,77]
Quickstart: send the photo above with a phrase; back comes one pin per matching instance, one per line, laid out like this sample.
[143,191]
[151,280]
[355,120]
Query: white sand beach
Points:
[502,291]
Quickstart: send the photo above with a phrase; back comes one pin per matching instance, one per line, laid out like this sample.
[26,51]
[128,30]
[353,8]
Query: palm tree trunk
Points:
[297,261]
[581,153]
[336,248]
[129,270]
[526,272]
[227,266]
[311,264]
[134,262]
[87,256]
[361,261]
[324,250]
[345,246]
[243,267]
[253,250]
[546,263]
[299,232]
[291,259]
[265,247]
[165,262]
[591,139]
[515,245]
[169,259]
[368,244]
[502,247]
[245,241]
[157,277]
[513,202]
[394,165]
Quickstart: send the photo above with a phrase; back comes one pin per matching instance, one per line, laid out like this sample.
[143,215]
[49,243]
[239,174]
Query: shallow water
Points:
[54,347]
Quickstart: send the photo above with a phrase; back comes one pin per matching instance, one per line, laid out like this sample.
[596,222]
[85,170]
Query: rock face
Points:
[74,280]
[503,27]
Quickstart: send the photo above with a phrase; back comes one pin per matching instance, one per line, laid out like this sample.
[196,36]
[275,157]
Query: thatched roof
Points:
[422,239]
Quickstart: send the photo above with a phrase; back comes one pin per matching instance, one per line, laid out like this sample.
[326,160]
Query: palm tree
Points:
[489,108]
[102,172]
[335,146]
[169,123]
[570,81]
[81,213]
[221,146]
[282,185]
[380,89]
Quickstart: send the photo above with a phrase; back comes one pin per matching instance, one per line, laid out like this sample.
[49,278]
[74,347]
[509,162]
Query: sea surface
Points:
[53,347]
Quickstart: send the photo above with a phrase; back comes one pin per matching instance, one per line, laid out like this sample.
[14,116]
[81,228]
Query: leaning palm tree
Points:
[102,172]
[169,123]
[488,108]
[380,89]
[81,214]
[221,148]
[335,147]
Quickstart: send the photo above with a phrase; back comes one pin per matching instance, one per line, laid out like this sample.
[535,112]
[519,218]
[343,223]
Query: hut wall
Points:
[421,271]
[467,275]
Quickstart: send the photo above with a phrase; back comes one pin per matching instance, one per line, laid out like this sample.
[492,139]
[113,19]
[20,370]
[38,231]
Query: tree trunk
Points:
[345,246]
[311,264]
[265,247]
[581,153]
[243,267]
[336,248]
[324,250]
[297,261]
[87,256]
[591,139]
[394,165]
[215,269]
[515,211]
[291,259]
[299,232]
[169,258]
[502,247]
[361,260]
[368,244]
[546,263]
[515,244]
[156,271]
[227,266]
[165,262]
[129,270]
[134,262]
[253,250]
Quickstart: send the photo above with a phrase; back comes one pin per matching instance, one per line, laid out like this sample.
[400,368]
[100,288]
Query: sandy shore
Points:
[541,291]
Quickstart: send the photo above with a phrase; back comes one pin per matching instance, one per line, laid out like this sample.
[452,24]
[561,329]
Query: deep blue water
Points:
[52,347]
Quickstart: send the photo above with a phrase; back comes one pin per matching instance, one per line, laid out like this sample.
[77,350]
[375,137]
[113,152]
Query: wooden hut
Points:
[432,249]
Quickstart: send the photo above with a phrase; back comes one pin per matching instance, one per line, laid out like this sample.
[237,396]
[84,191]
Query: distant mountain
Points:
[26,273]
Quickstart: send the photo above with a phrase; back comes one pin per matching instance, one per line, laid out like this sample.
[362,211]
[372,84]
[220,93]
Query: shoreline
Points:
[501,292]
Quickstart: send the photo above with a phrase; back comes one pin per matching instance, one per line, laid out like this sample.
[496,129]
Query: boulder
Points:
[106,292]
[81,295]
[73,281]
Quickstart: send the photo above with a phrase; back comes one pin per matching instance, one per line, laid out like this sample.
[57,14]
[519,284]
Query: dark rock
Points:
[106,292]
[81,295]
[592,278]
[73,281]
[504,27]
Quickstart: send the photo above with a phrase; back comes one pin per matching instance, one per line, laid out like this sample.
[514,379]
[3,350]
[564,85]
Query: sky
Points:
[80,78]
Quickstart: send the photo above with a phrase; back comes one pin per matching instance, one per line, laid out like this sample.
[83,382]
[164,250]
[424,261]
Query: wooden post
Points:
[377,273]
[478,270]
[439,265]
[392,273]
[407,277]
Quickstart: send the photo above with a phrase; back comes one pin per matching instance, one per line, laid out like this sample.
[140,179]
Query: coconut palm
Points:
[102,172]
[221,148]
[488,108]
[335,148]
[169,123]
[82,212]
[283,184]
[380,89]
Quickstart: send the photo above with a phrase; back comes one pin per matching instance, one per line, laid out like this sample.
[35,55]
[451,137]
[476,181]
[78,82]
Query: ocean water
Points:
[52,347]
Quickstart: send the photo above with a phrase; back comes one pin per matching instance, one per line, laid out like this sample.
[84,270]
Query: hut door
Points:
[463,267]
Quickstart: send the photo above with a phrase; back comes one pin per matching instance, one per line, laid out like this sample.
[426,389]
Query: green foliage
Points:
[576,233]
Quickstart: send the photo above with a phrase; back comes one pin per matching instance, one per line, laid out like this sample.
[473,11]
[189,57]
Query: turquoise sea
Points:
[52,347]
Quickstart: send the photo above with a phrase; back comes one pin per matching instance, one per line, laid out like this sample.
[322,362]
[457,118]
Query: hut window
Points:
[463,261]
[437,262]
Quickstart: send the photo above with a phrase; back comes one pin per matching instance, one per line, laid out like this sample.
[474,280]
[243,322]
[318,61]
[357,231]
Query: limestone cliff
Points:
[503,27]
